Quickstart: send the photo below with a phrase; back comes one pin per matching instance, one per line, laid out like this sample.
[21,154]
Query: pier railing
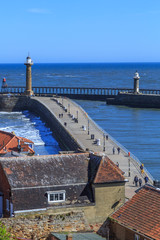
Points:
[76,91]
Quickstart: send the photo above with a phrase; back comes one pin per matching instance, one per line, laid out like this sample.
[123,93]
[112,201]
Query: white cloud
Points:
[39,10]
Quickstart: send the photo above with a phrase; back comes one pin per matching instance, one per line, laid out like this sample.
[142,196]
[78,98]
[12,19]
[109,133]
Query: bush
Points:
[4,235]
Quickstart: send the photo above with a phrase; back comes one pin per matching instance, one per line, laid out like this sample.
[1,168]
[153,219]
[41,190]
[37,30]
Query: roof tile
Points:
[108,172]
[142,212]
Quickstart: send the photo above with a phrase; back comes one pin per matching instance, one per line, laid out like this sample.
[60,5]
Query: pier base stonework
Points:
[11,103]
[136,100]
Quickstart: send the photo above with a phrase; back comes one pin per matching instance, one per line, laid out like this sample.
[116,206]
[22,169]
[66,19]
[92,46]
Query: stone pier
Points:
[90,137]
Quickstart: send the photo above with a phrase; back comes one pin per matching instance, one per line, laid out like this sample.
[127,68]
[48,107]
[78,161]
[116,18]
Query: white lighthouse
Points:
[28,64]
[136,82]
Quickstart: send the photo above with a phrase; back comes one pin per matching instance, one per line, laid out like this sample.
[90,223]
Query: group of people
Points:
[139,180]
[136,179]
[118,150]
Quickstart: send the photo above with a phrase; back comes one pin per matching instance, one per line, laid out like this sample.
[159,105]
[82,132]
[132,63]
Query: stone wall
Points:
[39,226]
[64,138]
[136,100]
[13,103]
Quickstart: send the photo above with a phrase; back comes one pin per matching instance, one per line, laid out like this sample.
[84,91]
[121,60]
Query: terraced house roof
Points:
[9,142]
[58,170]
[108,172]
[141,213]
[46,170]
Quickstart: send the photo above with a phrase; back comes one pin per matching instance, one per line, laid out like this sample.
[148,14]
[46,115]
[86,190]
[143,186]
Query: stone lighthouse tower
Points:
[136,82]
[28,64]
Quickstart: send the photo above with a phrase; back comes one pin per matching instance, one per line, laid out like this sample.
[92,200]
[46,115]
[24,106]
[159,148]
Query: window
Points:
[136,237]
[58,196]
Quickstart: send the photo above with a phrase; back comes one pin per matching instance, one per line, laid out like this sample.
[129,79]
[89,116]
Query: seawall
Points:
[136,100]
[19,103]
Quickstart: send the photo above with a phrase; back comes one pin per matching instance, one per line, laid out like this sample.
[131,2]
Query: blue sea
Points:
[136,129]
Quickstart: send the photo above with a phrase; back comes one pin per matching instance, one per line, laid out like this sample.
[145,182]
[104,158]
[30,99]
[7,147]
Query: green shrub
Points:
[4,235]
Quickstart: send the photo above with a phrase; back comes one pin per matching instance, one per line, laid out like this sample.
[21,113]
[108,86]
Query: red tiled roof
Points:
[5,138]
[108,172]
[9,142]
[142,212]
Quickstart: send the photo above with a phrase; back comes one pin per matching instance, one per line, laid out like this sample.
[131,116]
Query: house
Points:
[139,218]
[9,143]
[84,181]
[75,236]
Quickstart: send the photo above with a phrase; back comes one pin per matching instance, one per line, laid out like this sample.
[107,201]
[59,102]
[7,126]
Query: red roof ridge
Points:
[148,186]
[24,139]
[108,172]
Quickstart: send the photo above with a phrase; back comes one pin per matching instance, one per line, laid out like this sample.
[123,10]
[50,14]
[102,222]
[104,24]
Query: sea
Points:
[137,129]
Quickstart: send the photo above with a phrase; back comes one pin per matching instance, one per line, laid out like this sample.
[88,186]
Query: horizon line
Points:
[78,62]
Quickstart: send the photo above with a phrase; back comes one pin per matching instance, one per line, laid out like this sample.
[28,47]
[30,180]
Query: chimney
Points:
[69,236]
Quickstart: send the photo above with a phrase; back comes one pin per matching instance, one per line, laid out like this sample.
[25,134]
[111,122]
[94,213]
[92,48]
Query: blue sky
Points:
[80,31]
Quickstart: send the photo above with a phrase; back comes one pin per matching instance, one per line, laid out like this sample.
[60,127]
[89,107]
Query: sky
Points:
[71,31]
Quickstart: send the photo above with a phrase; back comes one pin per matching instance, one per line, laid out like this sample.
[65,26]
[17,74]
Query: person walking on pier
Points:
[113,150]
[140,182]
[146,179]
[141,167]
[118,149]
[135,180]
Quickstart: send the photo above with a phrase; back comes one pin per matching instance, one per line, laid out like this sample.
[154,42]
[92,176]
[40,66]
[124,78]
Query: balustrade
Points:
[75,91]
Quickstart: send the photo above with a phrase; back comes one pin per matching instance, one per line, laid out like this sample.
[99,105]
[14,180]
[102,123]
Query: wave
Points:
[6,128]
[61,75]
[27,125]
[39,143]
[10,113]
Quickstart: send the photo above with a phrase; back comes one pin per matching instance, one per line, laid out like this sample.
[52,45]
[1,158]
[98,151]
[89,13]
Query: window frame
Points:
[136,237]
[58,193]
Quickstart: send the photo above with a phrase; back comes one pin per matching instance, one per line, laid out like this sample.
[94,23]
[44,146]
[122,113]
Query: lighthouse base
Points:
[28,93]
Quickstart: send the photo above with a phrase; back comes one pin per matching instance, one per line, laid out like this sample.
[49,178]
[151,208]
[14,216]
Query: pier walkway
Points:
[92,138]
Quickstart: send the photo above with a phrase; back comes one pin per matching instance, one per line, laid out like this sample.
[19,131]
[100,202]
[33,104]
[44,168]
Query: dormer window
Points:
[56,196]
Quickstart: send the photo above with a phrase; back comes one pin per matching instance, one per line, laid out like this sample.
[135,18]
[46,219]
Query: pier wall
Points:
[86,97]
[20,103]
[64,138]
[136,100]
[10,103]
